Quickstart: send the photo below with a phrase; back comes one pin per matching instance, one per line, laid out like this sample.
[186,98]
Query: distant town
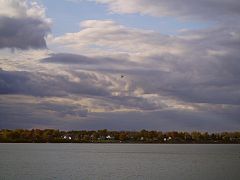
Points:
[106,136]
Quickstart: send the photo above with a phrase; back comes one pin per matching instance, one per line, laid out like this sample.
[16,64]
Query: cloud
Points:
[64,110]
[94,91]
[164,120]
[109,39]
[192,80]
[196,75]
[23,25]
[30,112]
[184,9]
[64,58]
[27,112]
[185,81]
[188,66]
[191,95]
[38,84]
[22,33]
[97,63]
[106,37]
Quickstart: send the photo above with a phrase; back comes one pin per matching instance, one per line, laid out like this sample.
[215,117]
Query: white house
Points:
[109,137]
[67,137]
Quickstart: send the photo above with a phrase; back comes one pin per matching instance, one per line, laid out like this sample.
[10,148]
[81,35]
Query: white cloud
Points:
[98,37]
[22,9]
[186,9]
[13,8]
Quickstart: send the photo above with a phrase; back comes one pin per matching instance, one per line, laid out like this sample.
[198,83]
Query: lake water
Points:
[119,161]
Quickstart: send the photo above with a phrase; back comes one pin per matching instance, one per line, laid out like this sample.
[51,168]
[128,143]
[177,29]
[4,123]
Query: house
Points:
[67,137]
[108,137]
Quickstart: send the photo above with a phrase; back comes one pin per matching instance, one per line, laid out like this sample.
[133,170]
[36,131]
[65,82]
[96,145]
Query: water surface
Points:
[119,161]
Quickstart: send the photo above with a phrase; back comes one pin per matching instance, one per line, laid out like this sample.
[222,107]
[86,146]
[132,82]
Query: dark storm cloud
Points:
[23,33]
[64,58]
[27,115]
[22,116]
[135,102]
[40,115]
[63,110]
[93,62]
[164,120]
[37,84]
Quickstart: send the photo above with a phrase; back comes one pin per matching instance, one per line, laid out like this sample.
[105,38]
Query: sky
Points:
[120,65]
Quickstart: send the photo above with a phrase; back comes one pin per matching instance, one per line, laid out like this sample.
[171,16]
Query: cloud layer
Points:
[108,75]
[186,9]
[23,25]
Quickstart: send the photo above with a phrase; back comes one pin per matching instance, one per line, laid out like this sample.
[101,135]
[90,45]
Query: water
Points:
[119,161]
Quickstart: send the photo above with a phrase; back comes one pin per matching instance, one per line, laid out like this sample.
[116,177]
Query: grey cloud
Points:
[25,115]
[63,110]
[195,78]
[135,102]
[23,33]
[88,62]
[165,120]
[63,58]
[208,72]
[204,9]
[207,9]
[37,84]
[193,82]
[42,85]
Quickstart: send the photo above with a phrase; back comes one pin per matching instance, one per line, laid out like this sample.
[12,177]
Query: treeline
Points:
[105,136]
